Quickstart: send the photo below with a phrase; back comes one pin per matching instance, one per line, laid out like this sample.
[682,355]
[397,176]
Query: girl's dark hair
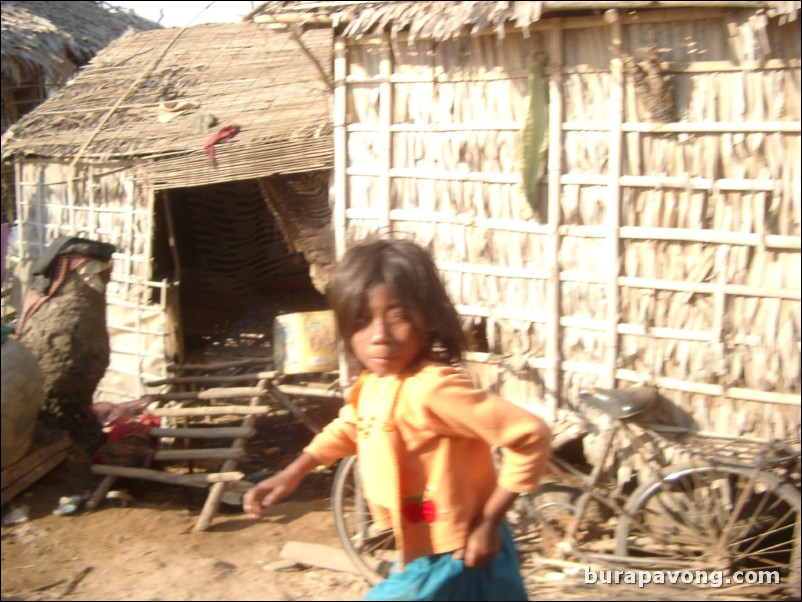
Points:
[408,269]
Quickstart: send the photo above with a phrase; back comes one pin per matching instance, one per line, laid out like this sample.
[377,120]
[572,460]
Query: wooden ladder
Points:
[261,401]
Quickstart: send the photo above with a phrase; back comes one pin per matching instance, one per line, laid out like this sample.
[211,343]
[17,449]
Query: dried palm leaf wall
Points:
[232,245]
[100,201]
[663,242]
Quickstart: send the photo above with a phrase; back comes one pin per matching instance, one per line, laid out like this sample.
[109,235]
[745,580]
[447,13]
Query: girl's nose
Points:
[379,330]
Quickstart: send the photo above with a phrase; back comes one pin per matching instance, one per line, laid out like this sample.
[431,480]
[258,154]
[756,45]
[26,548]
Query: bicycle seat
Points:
[620,403]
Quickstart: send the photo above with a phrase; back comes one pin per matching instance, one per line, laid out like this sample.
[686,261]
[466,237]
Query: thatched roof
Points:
[441,20]
[269,85]
[53,38]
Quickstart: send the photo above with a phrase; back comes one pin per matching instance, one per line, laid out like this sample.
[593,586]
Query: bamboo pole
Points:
[740,290]
[552,248]
[435,174]
[663,383]
[740,393]
[615,170]
[495,271]
[630,127]
[678,67]
[341,202]
[93,180]
[790,243]
[744,185]
[71,200]
[718,335]
[21,214]
[691,127]
[385,139]
[438,128]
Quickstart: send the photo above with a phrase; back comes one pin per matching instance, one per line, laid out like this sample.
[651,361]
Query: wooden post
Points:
[615,167]
[717,342]
[553,351]
[70,204]
[340,145]
[385,135]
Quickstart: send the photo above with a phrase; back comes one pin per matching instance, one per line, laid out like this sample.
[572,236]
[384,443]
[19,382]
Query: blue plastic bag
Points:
[441,577]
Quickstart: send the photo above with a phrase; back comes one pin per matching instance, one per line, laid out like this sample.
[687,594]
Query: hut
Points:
[43,45]
[611,190]
[203,155]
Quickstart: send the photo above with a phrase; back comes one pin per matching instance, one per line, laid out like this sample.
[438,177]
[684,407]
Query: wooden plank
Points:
[33,475]
[211,394]
[213,411]
[38,454]
[311,424]
[318,555]
[211,378]
[302,391]
[215,453]
[149,474]
[204,433]
[217,365]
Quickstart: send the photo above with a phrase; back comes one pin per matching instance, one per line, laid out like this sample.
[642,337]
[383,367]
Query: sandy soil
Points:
[147,549]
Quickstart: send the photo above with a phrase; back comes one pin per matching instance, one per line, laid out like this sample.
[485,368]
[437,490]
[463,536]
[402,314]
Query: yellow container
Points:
[305,342]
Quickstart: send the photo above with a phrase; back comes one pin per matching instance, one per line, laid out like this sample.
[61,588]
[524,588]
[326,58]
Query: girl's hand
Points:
[268,492]
[277,487]
[484,542]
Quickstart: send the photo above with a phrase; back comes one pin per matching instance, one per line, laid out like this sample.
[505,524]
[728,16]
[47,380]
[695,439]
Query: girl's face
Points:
[388,337]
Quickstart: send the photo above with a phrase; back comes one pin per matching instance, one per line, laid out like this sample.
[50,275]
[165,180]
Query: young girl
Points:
[423,433]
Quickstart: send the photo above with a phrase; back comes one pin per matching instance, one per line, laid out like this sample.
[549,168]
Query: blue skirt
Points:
[440,577]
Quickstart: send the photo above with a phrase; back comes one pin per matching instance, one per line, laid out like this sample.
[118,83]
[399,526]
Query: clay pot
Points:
[22,394]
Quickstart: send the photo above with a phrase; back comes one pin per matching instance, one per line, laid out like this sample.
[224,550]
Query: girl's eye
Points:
[398,316]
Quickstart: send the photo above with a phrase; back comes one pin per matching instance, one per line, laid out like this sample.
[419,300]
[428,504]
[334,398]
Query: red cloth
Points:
[129,443]
[223,134]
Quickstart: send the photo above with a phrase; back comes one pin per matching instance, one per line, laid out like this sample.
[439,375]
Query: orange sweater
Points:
[424,445]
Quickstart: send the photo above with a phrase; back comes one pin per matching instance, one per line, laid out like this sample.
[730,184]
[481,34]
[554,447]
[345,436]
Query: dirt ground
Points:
[147,550]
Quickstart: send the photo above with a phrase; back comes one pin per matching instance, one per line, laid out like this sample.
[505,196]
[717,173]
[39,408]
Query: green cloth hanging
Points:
[535,135]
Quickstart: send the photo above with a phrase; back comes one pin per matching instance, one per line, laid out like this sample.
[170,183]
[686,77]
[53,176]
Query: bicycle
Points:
[731,505]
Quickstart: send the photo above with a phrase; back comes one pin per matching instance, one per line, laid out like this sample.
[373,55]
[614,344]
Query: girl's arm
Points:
[484,540]
[279,486]
[334,442]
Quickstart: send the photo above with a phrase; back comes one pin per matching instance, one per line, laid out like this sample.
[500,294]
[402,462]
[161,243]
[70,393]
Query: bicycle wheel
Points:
[370,548]
[714,518]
